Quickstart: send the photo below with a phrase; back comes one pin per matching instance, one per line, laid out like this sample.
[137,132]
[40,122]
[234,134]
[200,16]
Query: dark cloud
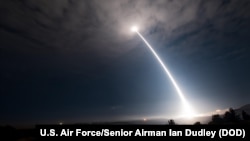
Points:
[103,26]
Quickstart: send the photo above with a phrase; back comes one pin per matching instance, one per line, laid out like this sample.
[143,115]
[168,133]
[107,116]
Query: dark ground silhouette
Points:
[228,118]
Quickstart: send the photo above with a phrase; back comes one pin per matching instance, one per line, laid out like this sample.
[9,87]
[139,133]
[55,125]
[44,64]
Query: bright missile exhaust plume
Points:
[188,111]
[134,29]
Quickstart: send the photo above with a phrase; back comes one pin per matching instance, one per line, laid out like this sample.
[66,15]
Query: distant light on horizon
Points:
[218,111]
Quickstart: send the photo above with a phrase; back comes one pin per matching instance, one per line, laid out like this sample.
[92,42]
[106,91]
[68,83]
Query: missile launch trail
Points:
[188,111]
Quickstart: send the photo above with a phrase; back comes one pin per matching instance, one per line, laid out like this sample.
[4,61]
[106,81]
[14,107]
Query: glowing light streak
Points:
[188,110]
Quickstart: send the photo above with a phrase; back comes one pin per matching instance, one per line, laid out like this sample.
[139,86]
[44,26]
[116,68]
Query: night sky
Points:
[77,61]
